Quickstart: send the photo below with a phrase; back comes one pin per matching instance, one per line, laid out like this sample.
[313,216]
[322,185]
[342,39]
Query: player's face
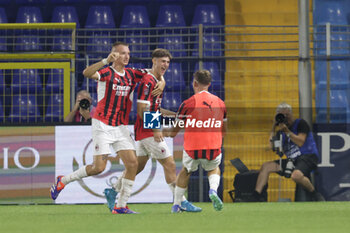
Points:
[124,54]
[161,64]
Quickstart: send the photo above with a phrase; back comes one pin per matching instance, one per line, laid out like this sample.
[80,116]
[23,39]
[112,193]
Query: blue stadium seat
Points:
[65,1]
[137,65]
[339,106]
[2,113]
[24,108]
[54,109]
[171,101]
[94,99]
[339,74]
[330,12]
[170,16]
[65,14]
[174,77]
[24,2]
[62,38]
[2,82]
[138,44]
[3,19]
[206,14]
[29,14]
[339,43]
[5,2]
[174,44]
[135,16]
[99,46]
[101,1]
[211,46]
[28,40]
[26,81]
[100,17]
[54,83]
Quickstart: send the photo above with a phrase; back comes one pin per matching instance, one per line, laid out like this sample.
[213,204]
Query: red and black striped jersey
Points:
[114,94]
[144,95]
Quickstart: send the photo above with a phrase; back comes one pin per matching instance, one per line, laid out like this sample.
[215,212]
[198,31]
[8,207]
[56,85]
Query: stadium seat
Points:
[65,1]
[171,101]
[100,17]
[26,81]
[65,14]
[213,68]
[28,40]
[2,82]
[137,65]
[206,14]
[138,44]
[23,2]
[174,77]
[211,46]
[135,16]
[54,109]
[339,106]
[339,43]
[2,113]
[170,16]
[3,19]
[5,2]
[62,38]
[54,83]
[99,46]
[24,109]
[330,12]
[174,44]
[101,1]
[339,75]
[94,99]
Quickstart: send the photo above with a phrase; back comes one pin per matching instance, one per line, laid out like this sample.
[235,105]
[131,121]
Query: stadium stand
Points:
[26,81]
[170,16]
[174,77]
[3,19]
[135,16]
[54,109]
[28,40]
[24,109]
[54,82]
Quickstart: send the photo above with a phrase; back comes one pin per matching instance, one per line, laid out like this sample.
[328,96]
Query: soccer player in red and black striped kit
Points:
[151,141]
[115,85]
[203,116]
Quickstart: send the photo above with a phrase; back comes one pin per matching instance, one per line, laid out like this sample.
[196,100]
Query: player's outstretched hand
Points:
[112,57]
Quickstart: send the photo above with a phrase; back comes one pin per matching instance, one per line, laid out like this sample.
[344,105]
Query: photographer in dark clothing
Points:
[300,148]
[81,110]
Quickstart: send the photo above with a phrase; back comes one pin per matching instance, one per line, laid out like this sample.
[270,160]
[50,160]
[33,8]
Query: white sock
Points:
[118,185]
[214,182]
[76,175]
[172,188]
[125,192]
[179,193]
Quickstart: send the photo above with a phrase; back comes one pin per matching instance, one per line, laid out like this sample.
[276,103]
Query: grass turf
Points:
[235,217]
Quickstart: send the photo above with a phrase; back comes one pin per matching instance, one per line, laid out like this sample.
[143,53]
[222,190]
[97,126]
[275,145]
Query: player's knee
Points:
[132,165]
[297,176]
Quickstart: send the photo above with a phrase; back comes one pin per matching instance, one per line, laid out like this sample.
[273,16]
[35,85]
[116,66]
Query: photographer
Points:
[298,144]
[81,110]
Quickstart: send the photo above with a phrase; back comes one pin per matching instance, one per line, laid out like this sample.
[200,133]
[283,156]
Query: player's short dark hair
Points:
[203,77]
[119,43]
[161,53]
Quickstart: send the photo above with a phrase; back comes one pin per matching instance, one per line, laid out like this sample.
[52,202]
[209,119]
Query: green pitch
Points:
[235,217]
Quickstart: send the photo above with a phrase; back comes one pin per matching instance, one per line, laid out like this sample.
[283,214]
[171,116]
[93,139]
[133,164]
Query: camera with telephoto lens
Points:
[276,142]
[280,118]
[289,168]
[84,104]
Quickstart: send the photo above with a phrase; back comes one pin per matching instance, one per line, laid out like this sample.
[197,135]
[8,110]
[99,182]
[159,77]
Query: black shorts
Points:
[305,163]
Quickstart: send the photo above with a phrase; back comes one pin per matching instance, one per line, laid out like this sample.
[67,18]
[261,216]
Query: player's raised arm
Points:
[91,71]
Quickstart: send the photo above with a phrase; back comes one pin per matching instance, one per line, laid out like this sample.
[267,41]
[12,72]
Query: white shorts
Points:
[149,147]
[104,136]
[192,164]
